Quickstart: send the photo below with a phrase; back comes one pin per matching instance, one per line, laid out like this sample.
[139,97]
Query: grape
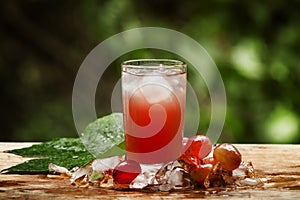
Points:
[228,156]
[200,172]
[198,147]
[125,172]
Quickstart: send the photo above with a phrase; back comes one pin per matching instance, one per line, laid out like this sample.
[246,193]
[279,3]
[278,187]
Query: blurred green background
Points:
[255,44]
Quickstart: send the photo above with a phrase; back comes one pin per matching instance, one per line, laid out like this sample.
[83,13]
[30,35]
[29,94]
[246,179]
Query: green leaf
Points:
[66,152]
[102,138]
[117,150]
[104,134]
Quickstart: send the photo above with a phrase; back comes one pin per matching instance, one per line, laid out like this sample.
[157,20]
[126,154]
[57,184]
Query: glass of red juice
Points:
[153,98]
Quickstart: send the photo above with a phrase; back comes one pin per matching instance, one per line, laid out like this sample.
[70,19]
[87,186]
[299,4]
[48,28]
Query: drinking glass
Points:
[153,99]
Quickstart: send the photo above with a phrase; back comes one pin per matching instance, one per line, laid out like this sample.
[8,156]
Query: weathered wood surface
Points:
[277,165]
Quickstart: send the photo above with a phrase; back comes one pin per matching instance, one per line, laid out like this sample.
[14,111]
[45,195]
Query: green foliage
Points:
[66,152]
[101,138]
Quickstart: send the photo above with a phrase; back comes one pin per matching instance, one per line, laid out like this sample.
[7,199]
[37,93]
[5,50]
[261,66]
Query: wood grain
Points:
[277,165]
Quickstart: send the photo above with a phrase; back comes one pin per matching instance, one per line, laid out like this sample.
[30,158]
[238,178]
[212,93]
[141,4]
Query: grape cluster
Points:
[200,159]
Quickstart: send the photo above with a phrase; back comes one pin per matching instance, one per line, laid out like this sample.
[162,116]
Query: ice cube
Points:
[176,177]
[139,182]
[101,165]
[129,82]
[85,171]
[172,176]
[167,177]
[249,182]
[147,177]
[154,80]
[155,93]
[129,87]
[58,169]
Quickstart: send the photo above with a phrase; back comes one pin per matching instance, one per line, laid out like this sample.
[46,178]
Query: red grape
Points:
[125,172]
[200,172]
[228,156]
[198,147]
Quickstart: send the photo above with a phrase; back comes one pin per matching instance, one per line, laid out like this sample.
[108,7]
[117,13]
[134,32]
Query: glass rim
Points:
[154,63]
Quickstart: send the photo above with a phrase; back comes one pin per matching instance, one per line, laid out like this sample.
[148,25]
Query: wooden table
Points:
[277,165]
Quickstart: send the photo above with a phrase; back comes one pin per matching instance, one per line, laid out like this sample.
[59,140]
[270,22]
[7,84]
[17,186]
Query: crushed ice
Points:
[167,177]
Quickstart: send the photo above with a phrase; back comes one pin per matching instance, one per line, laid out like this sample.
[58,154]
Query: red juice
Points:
[153,107]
